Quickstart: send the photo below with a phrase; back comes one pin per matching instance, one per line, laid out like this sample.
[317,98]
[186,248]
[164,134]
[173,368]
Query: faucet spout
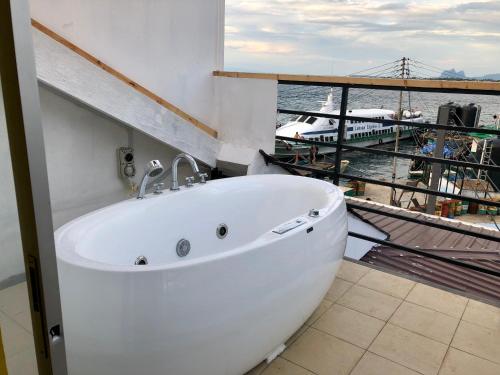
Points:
[175,164]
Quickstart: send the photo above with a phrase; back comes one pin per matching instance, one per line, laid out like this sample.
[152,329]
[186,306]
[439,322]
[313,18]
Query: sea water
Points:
[310,98]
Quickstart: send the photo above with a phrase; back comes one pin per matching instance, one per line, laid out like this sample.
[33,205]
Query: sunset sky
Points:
[343,36]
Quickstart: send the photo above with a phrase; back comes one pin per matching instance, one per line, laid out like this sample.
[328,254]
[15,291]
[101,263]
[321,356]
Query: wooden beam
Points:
[373,82]
[87,56]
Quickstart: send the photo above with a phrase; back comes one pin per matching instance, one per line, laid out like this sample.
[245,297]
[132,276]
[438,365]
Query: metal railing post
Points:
[341,133]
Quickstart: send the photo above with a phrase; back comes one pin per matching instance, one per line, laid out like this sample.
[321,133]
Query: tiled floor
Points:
[370,323]
[15,324]
[374,323]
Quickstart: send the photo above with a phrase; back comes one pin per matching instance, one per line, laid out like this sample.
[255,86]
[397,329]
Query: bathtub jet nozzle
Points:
[153,169]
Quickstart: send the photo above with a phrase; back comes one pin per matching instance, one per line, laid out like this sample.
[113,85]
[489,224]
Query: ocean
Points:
[309,98]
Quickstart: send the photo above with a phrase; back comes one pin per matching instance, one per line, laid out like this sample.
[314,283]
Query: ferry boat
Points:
[360,133]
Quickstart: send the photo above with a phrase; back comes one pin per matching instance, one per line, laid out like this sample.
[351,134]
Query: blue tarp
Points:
[430,147]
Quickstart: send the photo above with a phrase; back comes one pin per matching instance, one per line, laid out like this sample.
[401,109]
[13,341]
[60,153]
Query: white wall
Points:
[246,110]
[11,259]
[80,146]
[356,248]
[169,46]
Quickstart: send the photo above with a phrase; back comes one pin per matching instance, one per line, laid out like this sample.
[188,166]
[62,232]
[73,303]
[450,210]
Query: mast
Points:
[404,70]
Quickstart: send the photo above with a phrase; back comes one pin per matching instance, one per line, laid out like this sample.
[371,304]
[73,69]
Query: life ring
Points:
[380,141]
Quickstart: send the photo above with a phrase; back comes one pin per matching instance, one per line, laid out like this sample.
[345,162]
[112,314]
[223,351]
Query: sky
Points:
[341,37]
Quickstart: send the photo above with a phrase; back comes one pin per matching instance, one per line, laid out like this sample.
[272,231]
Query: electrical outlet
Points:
[126,162]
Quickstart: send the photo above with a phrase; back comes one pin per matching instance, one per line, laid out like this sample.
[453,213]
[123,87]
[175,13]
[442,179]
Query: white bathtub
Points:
[219,310]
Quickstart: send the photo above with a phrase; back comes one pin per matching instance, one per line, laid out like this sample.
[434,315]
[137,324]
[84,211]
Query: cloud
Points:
[255,47]
[349,34]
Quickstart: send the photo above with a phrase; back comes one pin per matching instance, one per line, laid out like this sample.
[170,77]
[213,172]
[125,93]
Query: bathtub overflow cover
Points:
[183,247]
[222,231]
[141,261]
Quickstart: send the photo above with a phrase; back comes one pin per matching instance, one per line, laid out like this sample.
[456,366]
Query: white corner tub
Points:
[221,309]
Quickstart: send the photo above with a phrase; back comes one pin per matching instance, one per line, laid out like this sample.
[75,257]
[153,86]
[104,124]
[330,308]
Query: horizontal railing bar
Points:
[421,190]
[384,183]
[448,90]
[431,159]
[423,85]
[426,220]
[393,122]
[425,254]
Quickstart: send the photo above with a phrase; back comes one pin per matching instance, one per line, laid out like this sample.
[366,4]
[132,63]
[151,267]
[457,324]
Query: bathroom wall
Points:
[169,46]
[172,47]
[81,148]
[81,153]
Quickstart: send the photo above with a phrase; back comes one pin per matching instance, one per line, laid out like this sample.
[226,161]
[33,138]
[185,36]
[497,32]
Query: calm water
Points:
[310,98]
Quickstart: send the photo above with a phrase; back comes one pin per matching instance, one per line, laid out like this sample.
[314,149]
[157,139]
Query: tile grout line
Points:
[333,303]
[385,324]
[396,363]
[12,320]
[296,364]
[453,336]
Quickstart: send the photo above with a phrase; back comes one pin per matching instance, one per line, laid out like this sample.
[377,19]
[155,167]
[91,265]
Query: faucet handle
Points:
[189,181]
[158,188]
[203,177]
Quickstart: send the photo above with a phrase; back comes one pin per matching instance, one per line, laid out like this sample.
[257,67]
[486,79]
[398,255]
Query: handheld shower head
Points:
[153,169]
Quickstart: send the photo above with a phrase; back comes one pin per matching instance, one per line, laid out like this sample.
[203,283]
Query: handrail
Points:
[136,86]
[478,87]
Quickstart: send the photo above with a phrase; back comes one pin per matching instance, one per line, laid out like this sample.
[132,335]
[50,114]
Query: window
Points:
[331,122]
[302,118]
[311,120]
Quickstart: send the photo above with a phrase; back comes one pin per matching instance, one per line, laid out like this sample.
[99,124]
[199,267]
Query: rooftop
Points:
[447,244]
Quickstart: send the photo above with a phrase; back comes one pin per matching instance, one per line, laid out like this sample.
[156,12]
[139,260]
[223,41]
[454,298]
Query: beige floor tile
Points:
[480,341]
[387,283]
[349,325]
[337,290]
[281,366]
[296,335]
[24,319]
[427,322]
[323,354]
[323,306]
[15,338]
[437,299]
[257,370]
[482,314]
[23,363]
[461,363]
[372,364]
[14,300]
[371,302]
[409,349]
[352,272]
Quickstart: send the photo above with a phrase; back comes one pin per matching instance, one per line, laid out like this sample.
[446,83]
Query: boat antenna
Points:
[404,74]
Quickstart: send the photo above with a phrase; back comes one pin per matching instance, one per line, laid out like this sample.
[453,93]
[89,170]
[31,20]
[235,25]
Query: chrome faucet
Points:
[194,167]
[153,169]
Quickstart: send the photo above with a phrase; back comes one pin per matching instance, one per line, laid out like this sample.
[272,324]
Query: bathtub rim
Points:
[65,249]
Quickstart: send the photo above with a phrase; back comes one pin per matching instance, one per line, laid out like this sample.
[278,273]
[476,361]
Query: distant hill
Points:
[453,74]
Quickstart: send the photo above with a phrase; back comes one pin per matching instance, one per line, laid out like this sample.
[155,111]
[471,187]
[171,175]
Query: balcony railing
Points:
[346,83]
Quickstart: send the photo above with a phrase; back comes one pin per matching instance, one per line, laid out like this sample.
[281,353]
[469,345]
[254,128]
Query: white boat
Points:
[360,133]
